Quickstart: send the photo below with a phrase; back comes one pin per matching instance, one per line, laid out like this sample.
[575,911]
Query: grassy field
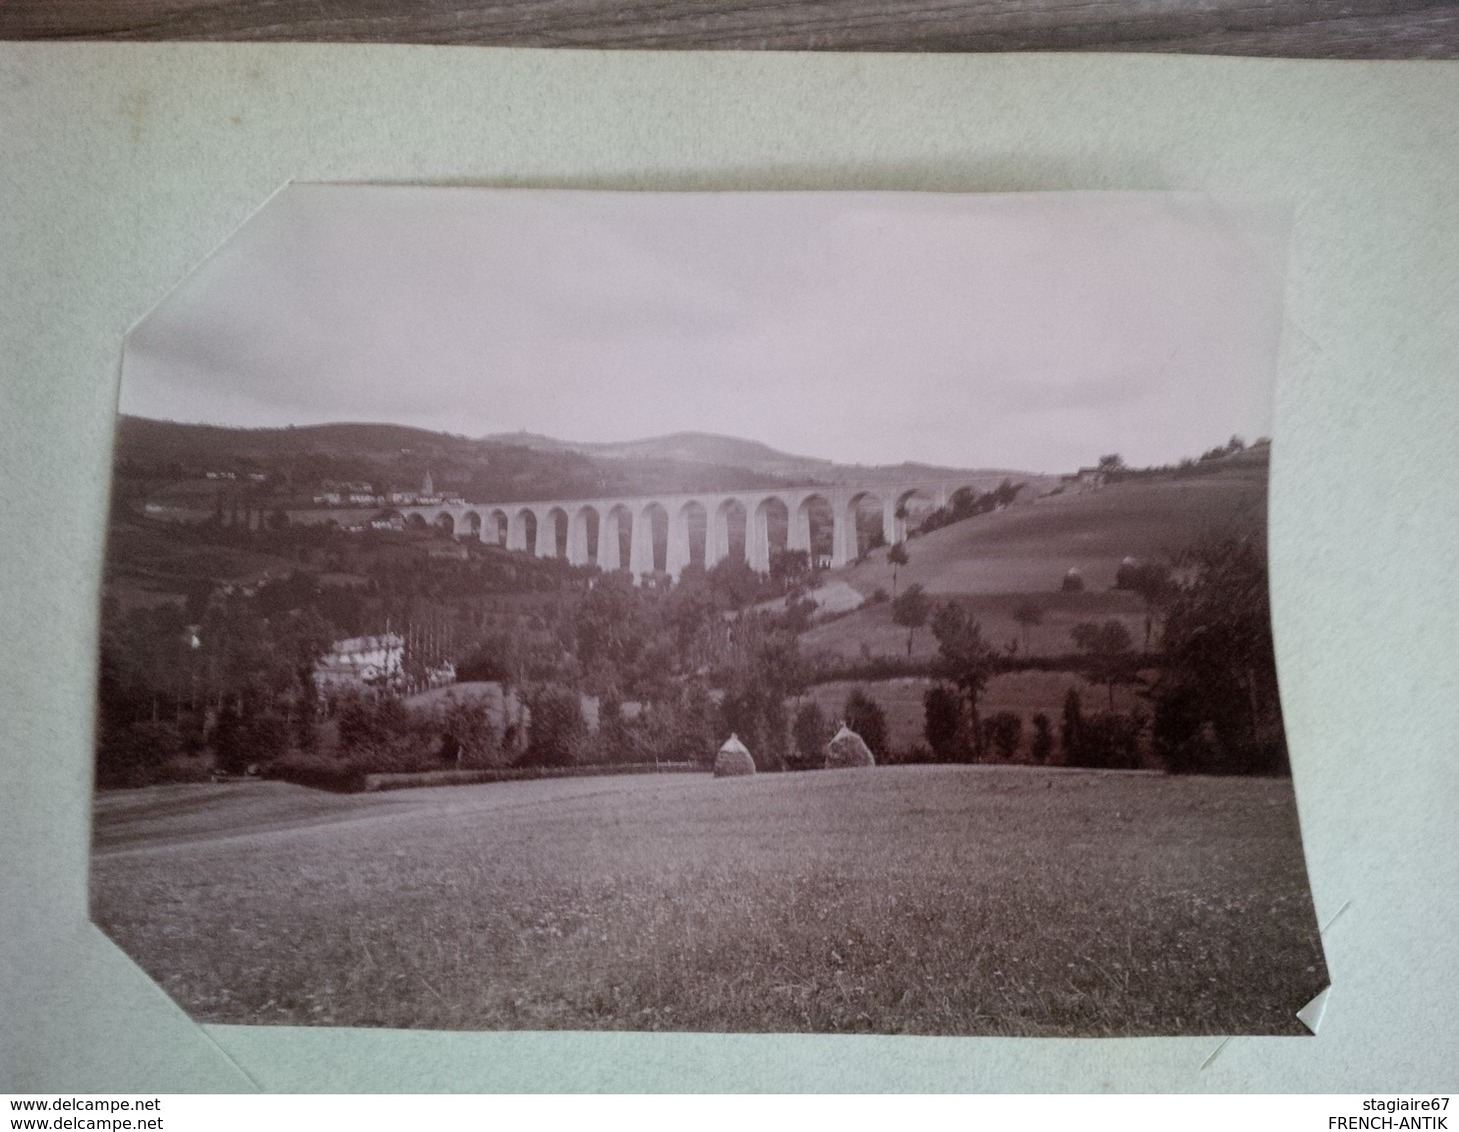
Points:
[934,900]
[872,632]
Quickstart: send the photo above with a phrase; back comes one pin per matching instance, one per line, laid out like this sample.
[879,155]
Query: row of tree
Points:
[232,669]
[964,503]
[1213,693]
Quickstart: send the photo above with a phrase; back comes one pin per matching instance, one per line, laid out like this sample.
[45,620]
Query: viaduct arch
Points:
[597,531]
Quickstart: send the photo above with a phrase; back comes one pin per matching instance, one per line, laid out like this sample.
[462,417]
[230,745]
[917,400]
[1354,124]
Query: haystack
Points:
[733,759]
[848,749]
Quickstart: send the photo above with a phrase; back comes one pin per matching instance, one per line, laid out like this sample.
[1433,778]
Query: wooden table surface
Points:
[1340,29]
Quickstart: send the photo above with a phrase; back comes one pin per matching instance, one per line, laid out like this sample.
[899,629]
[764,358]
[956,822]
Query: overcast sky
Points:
[1031,331]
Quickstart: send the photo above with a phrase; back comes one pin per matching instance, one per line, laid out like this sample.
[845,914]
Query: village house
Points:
[427,496]
[361,662]
[1085,478]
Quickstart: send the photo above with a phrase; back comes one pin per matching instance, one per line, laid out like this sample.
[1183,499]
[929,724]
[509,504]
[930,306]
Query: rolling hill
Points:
[711,449]
[992,563]
[501,468]
[1029,548]
[144,440]
[681,447]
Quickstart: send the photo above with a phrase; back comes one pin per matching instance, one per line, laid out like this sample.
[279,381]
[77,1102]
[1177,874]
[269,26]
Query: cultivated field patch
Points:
[1024,693]
[872,632]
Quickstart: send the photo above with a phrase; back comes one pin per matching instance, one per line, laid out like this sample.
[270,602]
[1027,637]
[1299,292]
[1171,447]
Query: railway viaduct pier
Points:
[616,533]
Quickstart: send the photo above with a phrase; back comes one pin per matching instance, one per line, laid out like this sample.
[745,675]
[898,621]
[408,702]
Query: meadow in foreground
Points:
[930,900]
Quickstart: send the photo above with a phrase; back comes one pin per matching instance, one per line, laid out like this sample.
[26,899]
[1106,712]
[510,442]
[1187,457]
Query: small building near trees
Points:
[361,662]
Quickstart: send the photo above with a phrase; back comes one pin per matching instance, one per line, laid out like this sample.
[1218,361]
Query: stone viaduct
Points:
[591,531]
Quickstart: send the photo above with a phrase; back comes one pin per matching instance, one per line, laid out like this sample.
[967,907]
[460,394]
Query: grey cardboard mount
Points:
[123,166]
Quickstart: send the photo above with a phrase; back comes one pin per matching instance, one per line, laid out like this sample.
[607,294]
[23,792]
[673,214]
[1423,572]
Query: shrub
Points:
[662,732]
[557,734]
[868,667]
[411,780]
[1071,728]
[968,659]
[756,713]
[1041,748]
[1108,647]
[798,615]
[864,716]
[469,738]
[1177,730]
[132,754]
[692,727]
[1188,744]
[1144,578]
[1073,582]
[915,754]
[265,737]
[1108,740]
[184,768]
[192,729]
[911,611]
[319,772]
[229,745]
[810,731]
[965,502]
[618,737]
[942,726]
[383,736]
[1216,704]
[304,721]
[1002,732]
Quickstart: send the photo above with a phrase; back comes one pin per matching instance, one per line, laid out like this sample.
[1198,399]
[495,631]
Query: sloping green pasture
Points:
[1028,548]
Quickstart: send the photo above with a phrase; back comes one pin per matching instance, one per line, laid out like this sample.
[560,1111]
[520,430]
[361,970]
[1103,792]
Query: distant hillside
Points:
[150,441]
[991,563]
[705,448]
[1029,548]
[684,447]
[495,469]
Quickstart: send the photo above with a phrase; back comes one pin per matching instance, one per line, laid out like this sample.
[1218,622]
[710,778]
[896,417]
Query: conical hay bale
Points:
[731,764]
[848,749]
[733,759]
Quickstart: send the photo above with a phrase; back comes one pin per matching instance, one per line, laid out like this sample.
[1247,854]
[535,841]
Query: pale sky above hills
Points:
[1031,331]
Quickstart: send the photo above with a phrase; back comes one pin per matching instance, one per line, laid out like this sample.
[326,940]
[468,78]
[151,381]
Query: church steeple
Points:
[428,488]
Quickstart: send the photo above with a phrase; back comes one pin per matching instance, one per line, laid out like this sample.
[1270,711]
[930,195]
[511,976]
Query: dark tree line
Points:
[229,669]
[1216,704]
[964,503]
[1211,686]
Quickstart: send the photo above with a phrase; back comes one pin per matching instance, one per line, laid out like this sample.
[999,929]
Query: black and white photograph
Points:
[768,612]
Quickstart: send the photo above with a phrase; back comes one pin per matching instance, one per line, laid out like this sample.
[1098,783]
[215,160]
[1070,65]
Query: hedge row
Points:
[347,780]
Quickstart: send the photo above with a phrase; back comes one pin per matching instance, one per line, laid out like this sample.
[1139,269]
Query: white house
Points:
[361,662]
